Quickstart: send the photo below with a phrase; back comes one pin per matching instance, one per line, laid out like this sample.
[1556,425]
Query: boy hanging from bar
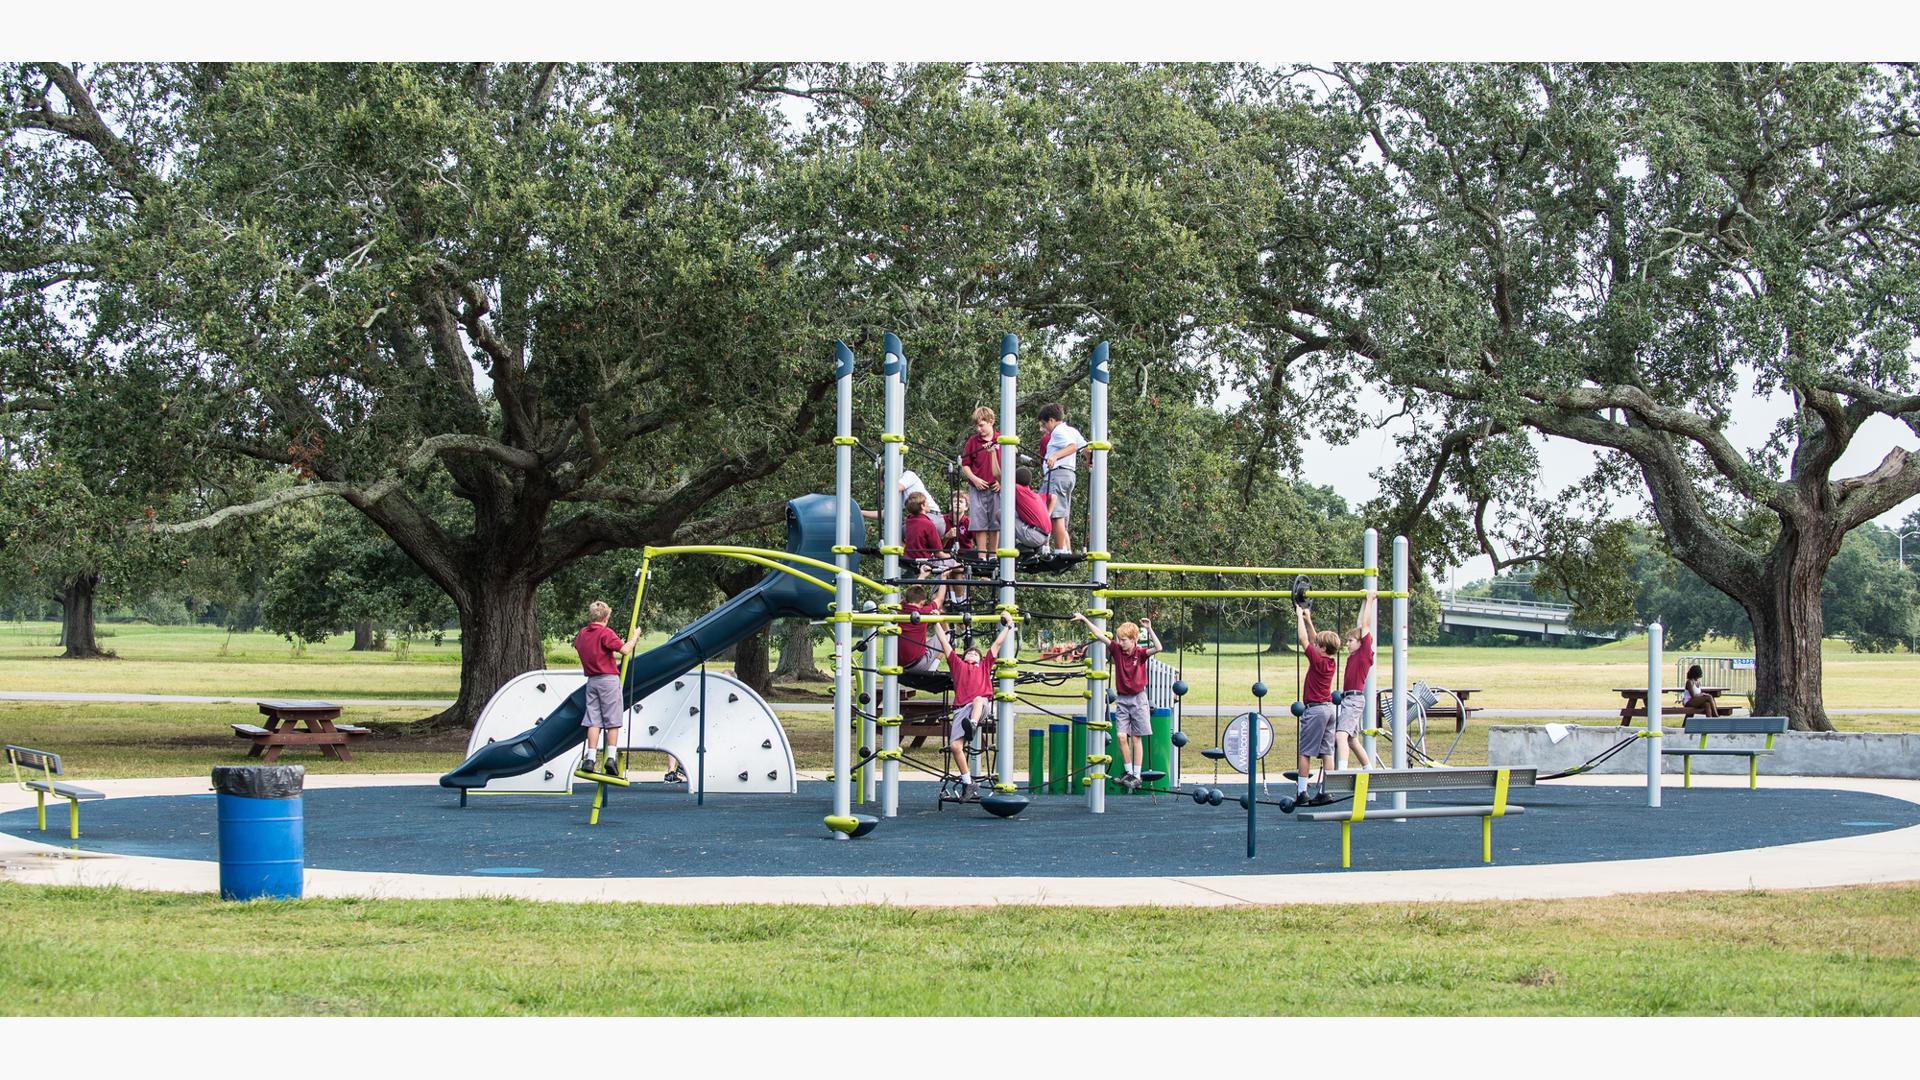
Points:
[972,674]
[1348,746]
[1318,719]
[1132,719]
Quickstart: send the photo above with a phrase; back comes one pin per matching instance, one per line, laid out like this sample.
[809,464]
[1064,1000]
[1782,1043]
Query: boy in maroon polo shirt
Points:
[1032,513]
[1317,721]
[1353,687]
[980,467]
[920,538]
[1132,719]
[599,648]
[913,635]
[972,673]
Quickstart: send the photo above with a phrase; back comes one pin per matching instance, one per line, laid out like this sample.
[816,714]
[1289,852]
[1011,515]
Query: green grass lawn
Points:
[107,951]
[205,661]
[114,740]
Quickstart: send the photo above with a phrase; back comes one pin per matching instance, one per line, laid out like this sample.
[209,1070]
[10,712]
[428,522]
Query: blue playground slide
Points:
[777,596]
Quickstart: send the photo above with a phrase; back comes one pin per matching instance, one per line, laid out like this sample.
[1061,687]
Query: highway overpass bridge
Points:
[1471,614]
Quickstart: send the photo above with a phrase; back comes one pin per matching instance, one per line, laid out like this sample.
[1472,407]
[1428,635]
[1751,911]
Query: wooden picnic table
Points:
[1636,696]
[299,723]
[1459,715]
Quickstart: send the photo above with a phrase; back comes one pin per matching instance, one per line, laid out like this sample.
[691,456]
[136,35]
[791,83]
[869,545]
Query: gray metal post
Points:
[843,555]
[894,367]
[1656,645]
[1400,663]
[1006,666]
[1370,716]
[1098,371]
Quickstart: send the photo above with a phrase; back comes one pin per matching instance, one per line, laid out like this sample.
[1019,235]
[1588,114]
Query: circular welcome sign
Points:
[1234,739]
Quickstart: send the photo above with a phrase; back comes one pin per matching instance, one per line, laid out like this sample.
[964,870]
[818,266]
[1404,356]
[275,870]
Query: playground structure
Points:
[818,577]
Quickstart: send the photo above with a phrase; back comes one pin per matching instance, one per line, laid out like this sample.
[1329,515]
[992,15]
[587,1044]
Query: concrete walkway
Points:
[808,706]
[1877,858]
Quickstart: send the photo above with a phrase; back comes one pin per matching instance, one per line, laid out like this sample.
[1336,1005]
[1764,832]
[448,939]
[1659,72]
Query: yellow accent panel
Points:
[1006,553]
[1360,797]
[1500,792]
[893,437]
[1098,556]
[892,549]
[1100,444]
[1008,440]
[845,440]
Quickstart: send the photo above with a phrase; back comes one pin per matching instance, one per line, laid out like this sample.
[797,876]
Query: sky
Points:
[1348,469]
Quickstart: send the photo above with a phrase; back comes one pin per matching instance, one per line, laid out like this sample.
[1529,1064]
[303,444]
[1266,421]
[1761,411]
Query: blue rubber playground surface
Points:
[650,831]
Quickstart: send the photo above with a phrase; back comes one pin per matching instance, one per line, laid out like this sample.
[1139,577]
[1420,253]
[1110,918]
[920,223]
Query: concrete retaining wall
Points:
[1885,755]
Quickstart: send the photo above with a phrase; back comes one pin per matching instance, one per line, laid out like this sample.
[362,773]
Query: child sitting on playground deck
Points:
[972,673]
[1353,688]
[1031,513]
[1318,719]
[598,647]
[919,537]
[1132,719]
[1695,698]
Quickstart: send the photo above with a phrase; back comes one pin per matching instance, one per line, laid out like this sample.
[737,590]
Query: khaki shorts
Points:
[1316,730]
[1131,716]
[1059,484]
[604,707]
[1353,709]
[983,510]
[957,727]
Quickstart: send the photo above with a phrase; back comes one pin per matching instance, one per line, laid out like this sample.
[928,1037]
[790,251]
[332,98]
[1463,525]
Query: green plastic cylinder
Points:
[1057,759]
[1160,750]
[1077,755]
[1036,759]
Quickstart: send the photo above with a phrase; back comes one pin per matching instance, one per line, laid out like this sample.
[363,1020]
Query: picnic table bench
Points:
[299,723]
[1704,726]
[45,785]
[1362,782]
[1635,709]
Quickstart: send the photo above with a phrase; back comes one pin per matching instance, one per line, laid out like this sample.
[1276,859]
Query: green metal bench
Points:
[1361,783]
[1705,726]
[48,765]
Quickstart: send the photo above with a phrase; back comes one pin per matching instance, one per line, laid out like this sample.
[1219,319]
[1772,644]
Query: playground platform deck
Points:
[397,836]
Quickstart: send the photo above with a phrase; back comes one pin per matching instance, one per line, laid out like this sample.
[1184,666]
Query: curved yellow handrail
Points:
[762,556]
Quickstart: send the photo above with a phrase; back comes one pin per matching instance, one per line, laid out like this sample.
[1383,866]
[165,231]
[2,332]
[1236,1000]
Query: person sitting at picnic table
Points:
[1694,698]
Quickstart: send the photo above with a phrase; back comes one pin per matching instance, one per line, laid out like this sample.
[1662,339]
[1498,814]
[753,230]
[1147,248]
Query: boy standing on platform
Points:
[980,467]
[1132,719]
[599,648]
[1318,720]
[1059,466]
[972,673]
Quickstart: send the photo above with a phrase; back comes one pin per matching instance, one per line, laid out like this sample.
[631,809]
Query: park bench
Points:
[1705,726]
[1361,783]
[45,785]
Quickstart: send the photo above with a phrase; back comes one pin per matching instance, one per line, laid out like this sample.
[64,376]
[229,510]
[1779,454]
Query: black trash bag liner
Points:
[260,781]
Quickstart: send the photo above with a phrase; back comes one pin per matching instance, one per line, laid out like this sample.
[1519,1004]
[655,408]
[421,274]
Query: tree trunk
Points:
[499,639]
[364,639]
[76,618]
[1788,625]
[796,655]
[750,662]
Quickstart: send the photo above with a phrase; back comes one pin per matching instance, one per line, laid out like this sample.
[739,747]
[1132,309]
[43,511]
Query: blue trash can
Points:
[263,851]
